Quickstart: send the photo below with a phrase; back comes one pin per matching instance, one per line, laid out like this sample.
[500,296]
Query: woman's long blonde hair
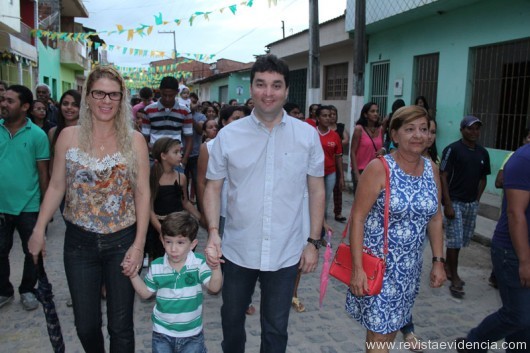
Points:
[122,120]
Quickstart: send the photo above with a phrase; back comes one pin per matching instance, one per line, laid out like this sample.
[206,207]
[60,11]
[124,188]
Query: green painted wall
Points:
[68,76]
[49,66]
[214,88]
[451,34]
[239,86]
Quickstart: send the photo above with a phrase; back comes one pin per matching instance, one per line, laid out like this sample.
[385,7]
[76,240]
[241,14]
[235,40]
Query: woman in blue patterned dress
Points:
[414,208]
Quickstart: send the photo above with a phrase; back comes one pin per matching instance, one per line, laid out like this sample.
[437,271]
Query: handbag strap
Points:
[386,212]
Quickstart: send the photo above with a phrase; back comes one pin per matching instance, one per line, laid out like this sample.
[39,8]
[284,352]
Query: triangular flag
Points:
[233,8]
[130,34]
[120,29]
[158,19]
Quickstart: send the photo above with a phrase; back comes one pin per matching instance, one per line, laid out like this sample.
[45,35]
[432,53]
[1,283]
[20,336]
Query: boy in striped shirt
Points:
[177,280]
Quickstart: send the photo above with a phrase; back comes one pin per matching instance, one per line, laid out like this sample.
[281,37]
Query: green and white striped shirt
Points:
[178,309]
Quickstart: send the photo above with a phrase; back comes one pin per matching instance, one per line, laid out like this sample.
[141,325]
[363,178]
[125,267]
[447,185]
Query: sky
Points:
[236,37]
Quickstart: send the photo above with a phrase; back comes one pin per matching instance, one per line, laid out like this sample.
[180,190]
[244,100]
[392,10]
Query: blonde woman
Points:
[101,167]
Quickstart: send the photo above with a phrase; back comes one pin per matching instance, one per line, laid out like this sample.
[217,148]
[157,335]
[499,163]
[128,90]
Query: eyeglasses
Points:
[114,96]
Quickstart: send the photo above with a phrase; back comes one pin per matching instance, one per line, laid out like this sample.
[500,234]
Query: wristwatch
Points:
[316,243]
[438,259]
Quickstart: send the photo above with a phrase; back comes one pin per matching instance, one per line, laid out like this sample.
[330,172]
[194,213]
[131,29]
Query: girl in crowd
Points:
[249,104]
[68,116]
[209,130]
[414,209]
[168,190]
[38,116]
[343,133]
[140,116]
[102,165]
[210,112]
[366,142]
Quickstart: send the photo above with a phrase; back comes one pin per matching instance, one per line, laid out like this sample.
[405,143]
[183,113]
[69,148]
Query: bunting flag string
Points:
[147,53]
[143,29]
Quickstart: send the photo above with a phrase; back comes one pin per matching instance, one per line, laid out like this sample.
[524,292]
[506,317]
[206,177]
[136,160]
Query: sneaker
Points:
[5,300]
[29,301]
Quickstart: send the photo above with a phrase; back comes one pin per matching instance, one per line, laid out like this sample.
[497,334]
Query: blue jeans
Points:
[512,320]
[24,224]
[276,294]
[329,183]
[90,260]
[167,344]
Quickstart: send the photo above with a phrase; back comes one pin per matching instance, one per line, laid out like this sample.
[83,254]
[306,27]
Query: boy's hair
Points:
[180,223]
[169,82]
[194,95]
[270,63]
[323,107]
[146,93]
[290,106]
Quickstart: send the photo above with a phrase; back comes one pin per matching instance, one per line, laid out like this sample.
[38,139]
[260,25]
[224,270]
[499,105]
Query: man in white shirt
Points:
[274,166]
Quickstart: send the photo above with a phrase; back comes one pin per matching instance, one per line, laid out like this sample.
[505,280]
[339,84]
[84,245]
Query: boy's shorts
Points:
[460,230]
[162,343]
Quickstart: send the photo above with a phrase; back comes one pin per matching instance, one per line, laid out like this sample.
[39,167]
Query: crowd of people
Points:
[135,178]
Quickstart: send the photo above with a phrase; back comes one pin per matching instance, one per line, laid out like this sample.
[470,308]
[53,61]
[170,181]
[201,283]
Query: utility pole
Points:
[174,43]
[359,55]
[283,29]
[313,67]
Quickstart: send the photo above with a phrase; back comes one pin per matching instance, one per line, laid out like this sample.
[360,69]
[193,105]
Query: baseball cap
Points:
[469,120]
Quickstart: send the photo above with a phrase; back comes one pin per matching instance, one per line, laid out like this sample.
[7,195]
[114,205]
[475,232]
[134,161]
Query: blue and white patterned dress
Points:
[413,202]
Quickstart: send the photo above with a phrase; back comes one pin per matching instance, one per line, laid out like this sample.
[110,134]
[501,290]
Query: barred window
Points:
[336,77]
[500,92]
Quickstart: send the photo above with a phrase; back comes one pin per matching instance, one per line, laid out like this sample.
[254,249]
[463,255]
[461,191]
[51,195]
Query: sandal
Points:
[413,342]
[340,218]
[297,305]
[457,291]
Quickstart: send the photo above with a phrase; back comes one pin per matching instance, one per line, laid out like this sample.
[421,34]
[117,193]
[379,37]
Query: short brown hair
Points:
[407,114]
[180,223]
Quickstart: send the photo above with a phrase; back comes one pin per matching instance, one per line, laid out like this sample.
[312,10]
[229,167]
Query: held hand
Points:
[36,245]
[438,276]
[524,274]
[381,152]
[358,283]
[213,251]
[132,261]
[449,211]
[309,259]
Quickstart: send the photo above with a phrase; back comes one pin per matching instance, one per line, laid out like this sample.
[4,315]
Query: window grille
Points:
[379,91]
[336,78]
[500,92]
[298,87]
[426,79]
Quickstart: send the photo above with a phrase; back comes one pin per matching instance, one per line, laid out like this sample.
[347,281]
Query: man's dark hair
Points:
[24,95]
[194,96]
[169,82]
[323,107]
[146,92]
[270,63]
[180,223]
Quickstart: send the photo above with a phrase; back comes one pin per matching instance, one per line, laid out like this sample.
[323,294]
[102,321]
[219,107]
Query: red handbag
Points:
[373,266]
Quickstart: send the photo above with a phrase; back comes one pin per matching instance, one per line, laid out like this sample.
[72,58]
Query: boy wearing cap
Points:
[464,167]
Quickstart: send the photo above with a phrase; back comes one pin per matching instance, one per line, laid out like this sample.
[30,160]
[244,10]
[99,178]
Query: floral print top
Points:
[99,195]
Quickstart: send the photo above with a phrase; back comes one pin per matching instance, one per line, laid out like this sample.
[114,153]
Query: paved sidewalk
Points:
[438,317]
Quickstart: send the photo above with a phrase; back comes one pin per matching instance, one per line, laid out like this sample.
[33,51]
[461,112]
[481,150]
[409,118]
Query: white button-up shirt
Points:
[267,217]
